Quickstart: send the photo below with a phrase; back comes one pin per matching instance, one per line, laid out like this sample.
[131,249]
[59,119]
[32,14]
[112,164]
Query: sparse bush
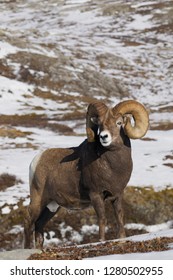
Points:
[7,180]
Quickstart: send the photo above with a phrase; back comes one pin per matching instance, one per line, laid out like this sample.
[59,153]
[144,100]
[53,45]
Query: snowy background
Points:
[129,46]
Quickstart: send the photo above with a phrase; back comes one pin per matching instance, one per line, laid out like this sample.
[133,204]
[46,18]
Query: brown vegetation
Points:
[141,205]
[11,132]
[8,180]
[30,120]
[84,72]
[103,249]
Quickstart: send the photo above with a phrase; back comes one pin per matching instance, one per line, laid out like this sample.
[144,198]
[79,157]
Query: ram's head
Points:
[106,124]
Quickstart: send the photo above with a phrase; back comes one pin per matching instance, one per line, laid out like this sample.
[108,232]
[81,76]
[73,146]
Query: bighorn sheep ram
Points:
[98,169]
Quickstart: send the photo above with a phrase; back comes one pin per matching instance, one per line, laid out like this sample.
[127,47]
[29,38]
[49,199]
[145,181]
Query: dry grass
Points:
[11,132]
[162,126]
[8,180]
[103,249]
[6,70]
[147,206]
[142,205]
[31,120]
[74,101]
[115,9]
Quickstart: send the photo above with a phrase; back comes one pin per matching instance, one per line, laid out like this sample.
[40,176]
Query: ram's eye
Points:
[119,123]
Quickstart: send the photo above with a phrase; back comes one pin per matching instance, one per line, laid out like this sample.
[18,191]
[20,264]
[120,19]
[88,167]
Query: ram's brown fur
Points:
[78,177]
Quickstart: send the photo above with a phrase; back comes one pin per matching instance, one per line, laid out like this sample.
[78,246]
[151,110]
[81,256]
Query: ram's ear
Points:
[126,118]
[95,111]
[90,134]
[95,120]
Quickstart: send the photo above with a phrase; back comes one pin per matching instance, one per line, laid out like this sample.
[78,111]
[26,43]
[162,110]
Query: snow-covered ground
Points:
[163,255]
[149,157]
[91,29]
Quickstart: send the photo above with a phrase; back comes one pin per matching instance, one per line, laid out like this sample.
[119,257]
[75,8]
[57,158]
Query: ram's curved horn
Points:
[140,116]
[95,112]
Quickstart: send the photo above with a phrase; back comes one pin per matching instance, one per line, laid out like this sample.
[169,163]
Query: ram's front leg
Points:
[119,215]
[99,206]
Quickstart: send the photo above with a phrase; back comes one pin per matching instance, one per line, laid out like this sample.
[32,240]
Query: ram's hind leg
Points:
[119,215]
[33,212]
[31,216]
[48,212]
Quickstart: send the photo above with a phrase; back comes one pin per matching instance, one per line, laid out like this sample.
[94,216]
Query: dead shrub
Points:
[8,180]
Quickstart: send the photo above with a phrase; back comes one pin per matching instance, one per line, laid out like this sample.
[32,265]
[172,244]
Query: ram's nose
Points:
[105,138]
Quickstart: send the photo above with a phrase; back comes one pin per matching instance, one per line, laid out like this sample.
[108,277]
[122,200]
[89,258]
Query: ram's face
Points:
[109,128]
[106,124]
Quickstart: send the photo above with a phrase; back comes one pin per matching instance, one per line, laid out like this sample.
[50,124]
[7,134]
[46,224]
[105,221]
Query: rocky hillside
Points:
[55,58]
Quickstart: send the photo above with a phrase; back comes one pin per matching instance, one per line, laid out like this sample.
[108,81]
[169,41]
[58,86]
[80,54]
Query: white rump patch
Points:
[33,166]
[53,206]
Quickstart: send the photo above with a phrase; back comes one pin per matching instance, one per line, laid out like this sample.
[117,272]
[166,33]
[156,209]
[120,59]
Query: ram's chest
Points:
[93,171]
[114,162]
[107,171]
